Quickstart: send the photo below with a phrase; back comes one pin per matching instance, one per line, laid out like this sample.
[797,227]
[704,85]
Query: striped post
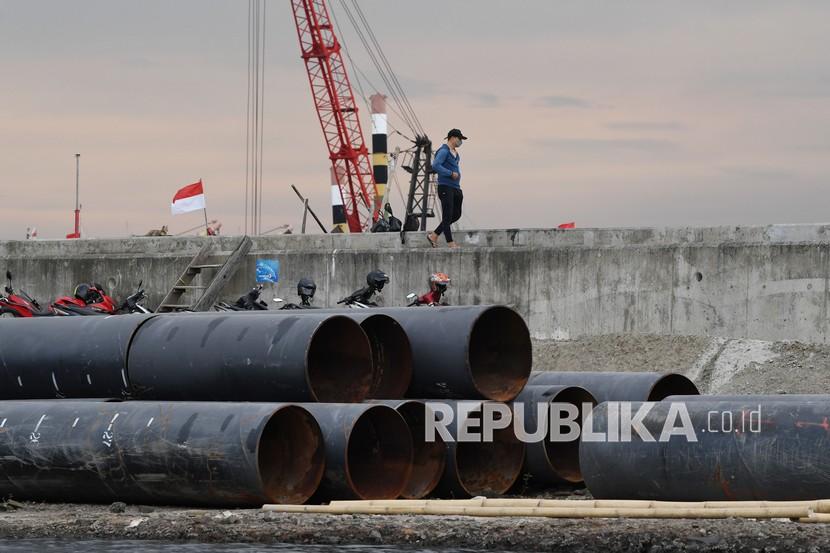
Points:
[380,157]
[338,211]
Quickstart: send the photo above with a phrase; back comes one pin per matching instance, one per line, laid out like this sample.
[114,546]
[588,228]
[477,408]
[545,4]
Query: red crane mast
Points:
[337,111]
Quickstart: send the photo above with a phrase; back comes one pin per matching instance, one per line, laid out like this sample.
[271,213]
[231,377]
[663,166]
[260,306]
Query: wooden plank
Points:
[237,257]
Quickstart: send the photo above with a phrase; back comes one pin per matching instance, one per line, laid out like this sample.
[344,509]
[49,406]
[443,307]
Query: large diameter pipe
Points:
[744,450]
[391,351]
[477,351]
[66,357]
[478,467]
[551,461]
[428,456]
[202,453]
[368,451]
[248,357]
[619,386]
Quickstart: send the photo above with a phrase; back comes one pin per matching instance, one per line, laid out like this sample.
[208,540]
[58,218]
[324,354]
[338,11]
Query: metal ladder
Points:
[173,300]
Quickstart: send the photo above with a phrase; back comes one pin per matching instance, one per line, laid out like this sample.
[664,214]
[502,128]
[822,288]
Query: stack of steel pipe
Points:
[177,438]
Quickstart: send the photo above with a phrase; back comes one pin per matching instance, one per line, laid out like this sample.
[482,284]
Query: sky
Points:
[608,114]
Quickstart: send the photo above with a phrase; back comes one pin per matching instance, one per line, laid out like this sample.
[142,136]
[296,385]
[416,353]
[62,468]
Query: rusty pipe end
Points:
[563,457]
[291,456]
[391,354]
[339,362]
[499,354]
[488,468]
[378,454]
[672,384]
[428,457]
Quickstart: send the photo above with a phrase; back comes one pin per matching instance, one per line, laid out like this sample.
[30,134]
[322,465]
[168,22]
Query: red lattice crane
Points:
[337,111]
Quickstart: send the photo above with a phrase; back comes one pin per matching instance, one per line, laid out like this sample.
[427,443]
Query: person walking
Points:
[447,164]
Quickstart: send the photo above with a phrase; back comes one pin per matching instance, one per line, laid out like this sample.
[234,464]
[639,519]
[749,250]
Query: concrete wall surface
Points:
[767,283]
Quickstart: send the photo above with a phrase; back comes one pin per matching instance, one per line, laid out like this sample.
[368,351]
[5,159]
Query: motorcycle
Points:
[438,283]
[366,296]
[87,300]
[21,304]
[247,302]
[91,300]
[306,288]
[133,302]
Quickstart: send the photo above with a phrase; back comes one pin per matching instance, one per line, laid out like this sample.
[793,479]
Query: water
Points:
[132,546]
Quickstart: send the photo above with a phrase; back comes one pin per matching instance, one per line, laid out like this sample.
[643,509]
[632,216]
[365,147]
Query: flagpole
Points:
[204,210]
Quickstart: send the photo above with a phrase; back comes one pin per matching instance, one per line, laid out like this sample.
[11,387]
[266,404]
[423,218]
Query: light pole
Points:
[77,233]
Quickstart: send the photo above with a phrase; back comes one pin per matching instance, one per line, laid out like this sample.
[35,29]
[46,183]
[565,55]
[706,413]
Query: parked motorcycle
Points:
[367,296]
[86,300]
[247,302]
[305,289]
[21,304]
[438,284]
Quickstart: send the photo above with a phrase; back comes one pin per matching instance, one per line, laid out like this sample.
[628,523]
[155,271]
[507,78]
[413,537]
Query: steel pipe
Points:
[203,453]
[249,357]
[466,352]
[66,357]
[391,353]
[547,462]
[368,451]
[745,450]
[474,468]
[619,386]
[428,457]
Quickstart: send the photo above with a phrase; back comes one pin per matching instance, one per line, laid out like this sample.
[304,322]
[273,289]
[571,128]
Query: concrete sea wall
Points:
[767,283]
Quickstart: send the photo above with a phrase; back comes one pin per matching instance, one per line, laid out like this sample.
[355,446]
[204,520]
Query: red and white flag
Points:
[189,198]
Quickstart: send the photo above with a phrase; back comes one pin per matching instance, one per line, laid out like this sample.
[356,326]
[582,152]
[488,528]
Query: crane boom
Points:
[337,111]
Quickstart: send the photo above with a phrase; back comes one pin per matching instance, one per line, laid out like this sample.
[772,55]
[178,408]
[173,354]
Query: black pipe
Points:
[66,357]
[745,450]
[203,453]
[476,351]
[428,457]
[250,357]
[550,462]
[391,352]
[619,386]
[482,467]
[368,451]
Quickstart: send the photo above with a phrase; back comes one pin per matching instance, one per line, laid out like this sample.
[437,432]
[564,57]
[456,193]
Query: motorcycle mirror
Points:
[140,282]
[8,275]
[411,296]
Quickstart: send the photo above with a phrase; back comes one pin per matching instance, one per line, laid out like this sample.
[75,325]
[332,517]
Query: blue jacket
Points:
[445,164]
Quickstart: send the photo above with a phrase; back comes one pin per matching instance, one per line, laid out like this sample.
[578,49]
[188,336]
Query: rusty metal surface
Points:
[251,357]
[66,357]
[619,386]
[549,463]
[428,457]
[209,454]
[778,454]
[466,352]
[368,451]
[479,468]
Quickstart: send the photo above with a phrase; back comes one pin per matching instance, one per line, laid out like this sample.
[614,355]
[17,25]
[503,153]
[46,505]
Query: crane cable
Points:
[384,71]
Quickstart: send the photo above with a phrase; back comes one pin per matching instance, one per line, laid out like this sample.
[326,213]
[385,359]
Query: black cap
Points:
[456,133]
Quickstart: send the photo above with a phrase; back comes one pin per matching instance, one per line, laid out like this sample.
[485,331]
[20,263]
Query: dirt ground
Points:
[510,534]
[716,365]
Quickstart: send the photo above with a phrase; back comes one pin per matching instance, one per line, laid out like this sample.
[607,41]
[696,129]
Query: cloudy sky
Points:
[640,113]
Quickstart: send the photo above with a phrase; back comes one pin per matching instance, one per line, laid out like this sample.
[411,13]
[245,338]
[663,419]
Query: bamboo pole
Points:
[797,512]
[819,506]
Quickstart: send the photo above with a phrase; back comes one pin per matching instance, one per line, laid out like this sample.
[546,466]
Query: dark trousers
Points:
[451,200]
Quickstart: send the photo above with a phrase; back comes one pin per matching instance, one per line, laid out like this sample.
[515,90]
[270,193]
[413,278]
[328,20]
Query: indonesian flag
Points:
[567,225]
[189,198]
